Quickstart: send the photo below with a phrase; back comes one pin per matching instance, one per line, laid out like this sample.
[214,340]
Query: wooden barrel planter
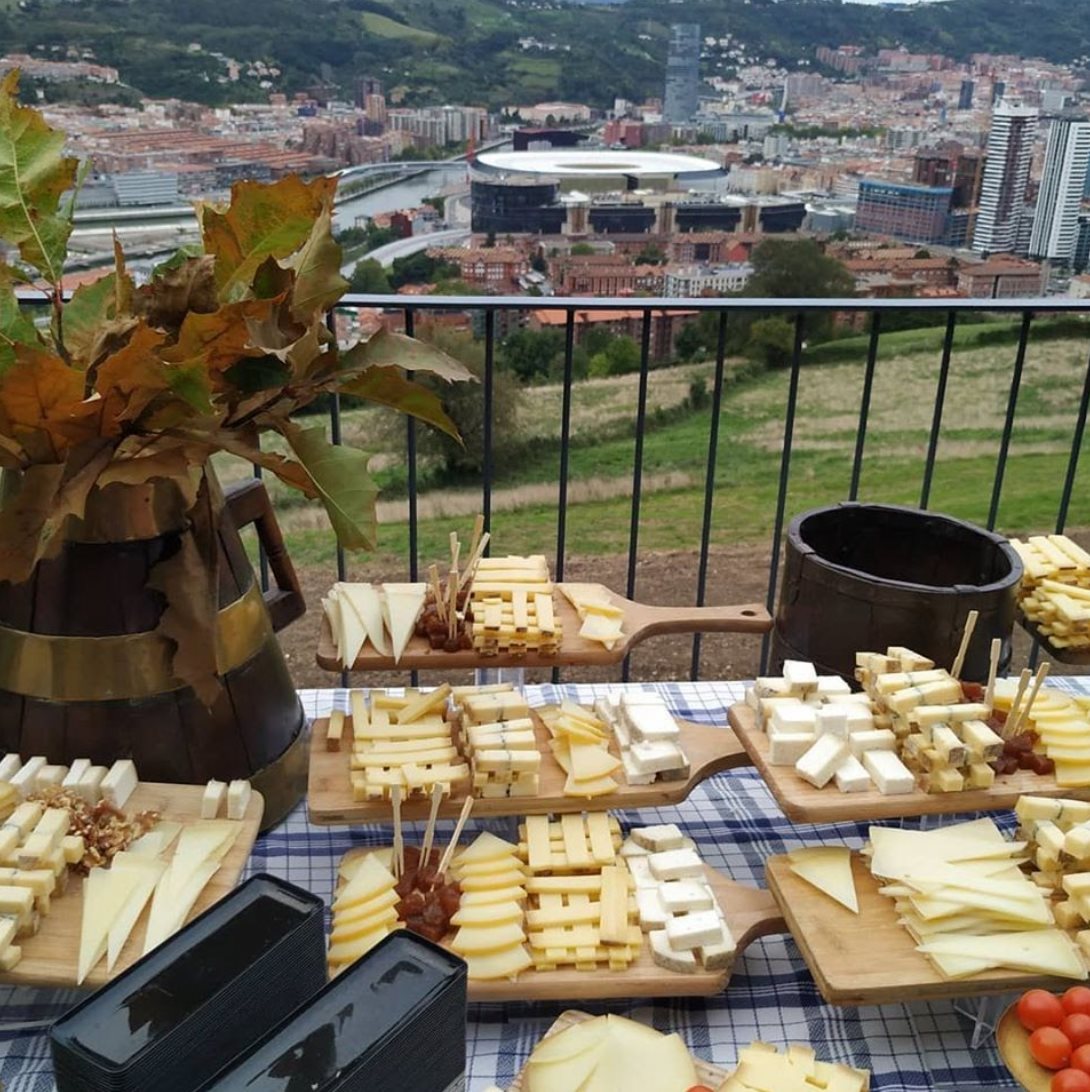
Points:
[865,576]
[83,675]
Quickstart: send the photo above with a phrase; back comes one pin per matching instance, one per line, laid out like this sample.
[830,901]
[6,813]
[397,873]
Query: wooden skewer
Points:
[993,668]
[399,845]
[478,530]
[1012,716]
[437,591]
[1031,697]
[444,863]
[452,604]
[429,830]
[966,637]
[475,559]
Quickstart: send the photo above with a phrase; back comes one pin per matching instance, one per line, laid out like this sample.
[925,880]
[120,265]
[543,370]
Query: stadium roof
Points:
[589,163]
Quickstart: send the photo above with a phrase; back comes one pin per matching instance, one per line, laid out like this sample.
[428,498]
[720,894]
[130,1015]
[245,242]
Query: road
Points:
[402,248]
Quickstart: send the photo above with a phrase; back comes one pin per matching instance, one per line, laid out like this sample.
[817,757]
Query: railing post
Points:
[940,403]
[565,443]
[1008,421]
[864,404]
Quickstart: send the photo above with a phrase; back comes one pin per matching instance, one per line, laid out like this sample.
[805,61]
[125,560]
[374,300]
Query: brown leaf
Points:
[217,341]
[168,462]
[41,394]
[188,580]
[174,293]
[129,380]
[317,266]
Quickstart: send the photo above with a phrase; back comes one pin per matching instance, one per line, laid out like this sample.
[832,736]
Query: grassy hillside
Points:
[468,50]
[751,440]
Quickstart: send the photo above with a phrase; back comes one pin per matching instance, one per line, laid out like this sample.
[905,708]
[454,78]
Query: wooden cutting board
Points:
[802,803]
[1079,656]
[50,957]
[869,958]
[1013,1042]
[640,622]
[710,750]
[706,1073]
[751,913]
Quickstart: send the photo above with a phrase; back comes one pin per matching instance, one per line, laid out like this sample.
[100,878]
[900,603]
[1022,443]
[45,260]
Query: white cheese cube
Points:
[90,784]
[801,674]
[650,723]
[832,720]
[640,868]
[119,784]
[659,838]
[75,773]
[633,772]
[878,739]
[889,773]
[655,756]
[652,913]
[772,688]
[860,719]
[629,848]
[752,698]
[859,697]
[832,687]
[676,864]
[25,781]
[9,766]
[665,955]
[238,799]
[50,777]
[690,931]
[794,718]
[786,748]
[822,760]
[683,896]
[718,956]
[215,792]
[851,776]
[607,708]
[621,733]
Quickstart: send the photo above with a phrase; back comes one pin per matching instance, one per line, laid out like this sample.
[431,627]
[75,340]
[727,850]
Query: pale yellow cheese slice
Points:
[829,869]
[482,939]
[493,880]
[364,599]
[495,913]
[507,963]
[486,847]
[351,950]
[403,604]
[104,895]
[353,930]
[589,762]
[493,895]
[600,786]
[371,879]
[1040,951]
[150,872]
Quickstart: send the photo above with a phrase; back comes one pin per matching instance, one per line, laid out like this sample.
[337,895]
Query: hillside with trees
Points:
[463,50]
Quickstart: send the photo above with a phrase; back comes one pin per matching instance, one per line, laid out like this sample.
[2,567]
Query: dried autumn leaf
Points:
[317,267]
[189,582]
[16,327]
[342,482]
[90,307]
[262,221]
[34,174]
[39,393]
[129,380]
[387,349]
[388,387]
[170,462]
[176,291]
[217,341]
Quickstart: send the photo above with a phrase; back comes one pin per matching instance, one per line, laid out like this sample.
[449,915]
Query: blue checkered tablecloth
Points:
[771,996]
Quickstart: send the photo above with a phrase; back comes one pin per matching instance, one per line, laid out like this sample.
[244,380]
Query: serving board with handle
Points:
[641,621]
[710,749]
[751,913]
[802,803]
[50,957]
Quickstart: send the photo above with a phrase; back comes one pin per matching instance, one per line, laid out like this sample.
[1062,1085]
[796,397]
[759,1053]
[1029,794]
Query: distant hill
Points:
[469,50]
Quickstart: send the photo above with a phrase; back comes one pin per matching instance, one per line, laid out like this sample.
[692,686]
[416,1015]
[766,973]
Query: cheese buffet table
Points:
[771,995]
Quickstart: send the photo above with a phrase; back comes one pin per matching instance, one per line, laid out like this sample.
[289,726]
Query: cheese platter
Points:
[562,929]
[349,784]
[845,971]
[1013,1042]
[50,957]
[639,622]
[1054,595]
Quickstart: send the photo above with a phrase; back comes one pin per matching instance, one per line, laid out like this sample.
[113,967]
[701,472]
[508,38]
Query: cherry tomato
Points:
[1050,1048]
[1080,1058]
[1070,1080]
[1076,999]
[1039,1009]
[1077,1028]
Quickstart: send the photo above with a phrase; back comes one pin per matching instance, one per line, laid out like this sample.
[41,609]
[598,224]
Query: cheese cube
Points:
[832,720]
[120,783]
[640,869]
[659,838]
[720,955]
[9,766]
[949,746]
[981,740]
[801,674]
[889,773]
[796,717]
[76,771]
[851,776]
[655,756]
[649,906]
[634,773]
[693,930]
[25,780]
[832,687]
[980,776]
[771,688]
[676,864]
[682,961]
[683,896]
[90,784]
[650,723]
[822,760]
[629,848]
[238,799]
[874,740]
[860,717]
[786,748]
[215,792]
[1077,842]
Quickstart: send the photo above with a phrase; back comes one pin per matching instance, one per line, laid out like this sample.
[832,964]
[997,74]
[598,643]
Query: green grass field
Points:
[750,447]
[384,27]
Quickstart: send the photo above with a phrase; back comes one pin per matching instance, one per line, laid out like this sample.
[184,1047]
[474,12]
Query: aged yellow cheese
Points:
[829,869]
[371,879]
[482,939]
[495,913]
[492,881]
[353,930]
[350,951]
[601,786]
[507,963]
[515,893]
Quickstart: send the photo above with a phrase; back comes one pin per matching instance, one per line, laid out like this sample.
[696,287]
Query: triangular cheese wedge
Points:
[590,761]
[353,631]
[105,892]
[150,872]
[365,600]
[156,840]
[829,869]
[404,603]
[181,902]
[370,879]
[332,605]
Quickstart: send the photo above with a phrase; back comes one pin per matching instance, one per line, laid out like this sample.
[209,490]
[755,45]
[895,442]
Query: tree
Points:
[652,254]
[690,343]
[581,250]
[539,265]
[437,203]
[596,340]
[370,277]
[772,341]
[530,353]
[620,356]
[419,268]
[490,240]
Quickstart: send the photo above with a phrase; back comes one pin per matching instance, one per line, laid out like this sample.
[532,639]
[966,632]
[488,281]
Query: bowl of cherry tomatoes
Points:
[1044,1040]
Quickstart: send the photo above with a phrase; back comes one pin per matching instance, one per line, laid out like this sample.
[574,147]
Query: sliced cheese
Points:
[365,601]
[508,963]
[829,869]
[403,604]
[1040,951]
[105,892]
[482,939]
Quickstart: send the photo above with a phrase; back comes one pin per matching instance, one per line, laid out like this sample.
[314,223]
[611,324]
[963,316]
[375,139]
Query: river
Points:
[404,194]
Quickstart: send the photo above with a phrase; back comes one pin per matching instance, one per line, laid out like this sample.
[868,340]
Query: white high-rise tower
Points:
[1003,190]
[1056,225]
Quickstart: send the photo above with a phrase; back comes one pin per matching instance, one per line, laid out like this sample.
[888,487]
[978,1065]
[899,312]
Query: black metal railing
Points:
[795,309]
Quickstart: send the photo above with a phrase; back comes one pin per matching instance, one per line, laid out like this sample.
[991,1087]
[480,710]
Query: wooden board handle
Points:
[652,621]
